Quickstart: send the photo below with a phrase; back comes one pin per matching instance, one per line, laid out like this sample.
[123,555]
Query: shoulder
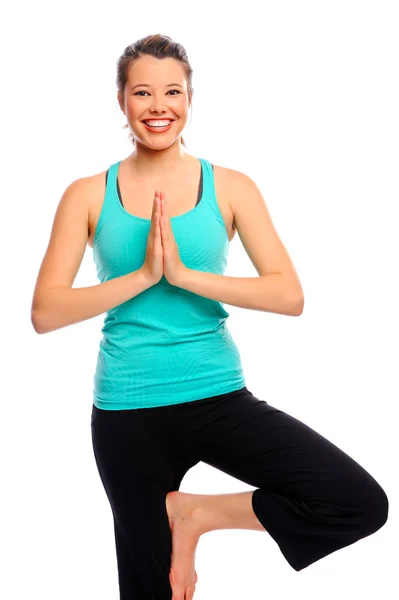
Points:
[233,183]
[231,177]
[88,185]
[90,189]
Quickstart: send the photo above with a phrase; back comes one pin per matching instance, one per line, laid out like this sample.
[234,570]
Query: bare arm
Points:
[55,303]
[277,288]
[273,292]
[62,306]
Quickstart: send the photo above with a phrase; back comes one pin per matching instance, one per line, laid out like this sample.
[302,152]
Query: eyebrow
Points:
[147,85]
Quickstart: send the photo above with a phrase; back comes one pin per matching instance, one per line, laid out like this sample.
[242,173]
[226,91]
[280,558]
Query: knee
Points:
[376,508]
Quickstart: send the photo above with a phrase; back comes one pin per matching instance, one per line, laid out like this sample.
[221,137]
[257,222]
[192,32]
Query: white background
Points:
[302,97]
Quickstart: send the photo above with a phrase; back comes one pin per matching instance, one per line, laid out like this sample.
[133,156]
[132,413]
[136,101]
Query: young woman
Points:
[169,388]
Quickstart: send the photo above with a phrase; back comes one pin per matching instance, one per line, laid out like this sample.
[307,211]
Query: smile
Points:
[158,128]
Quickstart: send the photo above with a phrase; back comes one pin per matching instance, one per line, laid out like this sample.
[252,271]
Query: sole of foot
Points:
[180,507]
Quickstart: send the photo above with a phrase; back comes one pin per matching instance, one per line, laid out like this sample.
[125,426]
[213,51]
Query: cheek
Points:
[134,109]
[181,110]
[136,106]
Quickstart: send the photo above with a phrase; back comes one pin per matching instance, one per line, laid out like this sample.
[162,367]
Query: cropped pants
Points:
[310,497]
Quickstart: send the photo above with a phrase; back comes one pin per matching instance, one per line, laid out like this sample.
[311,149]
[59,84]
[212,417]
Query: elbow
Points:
[294,292]
[36,323]
[298,305]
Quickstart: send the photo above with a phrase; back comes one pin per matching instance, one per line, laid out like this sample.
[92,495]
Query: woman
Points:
[169,388]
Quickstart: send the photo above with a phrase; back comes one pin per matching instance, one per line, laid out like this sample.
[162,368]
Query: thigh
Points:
[265,447]
[145,442]
[140,456]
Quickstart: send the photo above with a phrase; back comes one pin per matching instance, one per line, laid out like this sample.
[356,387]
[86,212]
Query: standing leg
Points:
[140,455]
[311,497]
[142,550]
[129,578]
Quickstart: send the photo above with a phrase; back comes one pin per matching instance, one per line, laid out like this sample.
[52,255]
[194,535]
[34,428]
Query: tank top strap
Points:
[108,212]
[112,181]
[112,214]
[209,190]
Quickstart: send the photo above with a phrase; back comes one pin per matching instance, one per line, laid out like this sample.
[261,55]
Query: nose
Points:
[158,107]
[157,112]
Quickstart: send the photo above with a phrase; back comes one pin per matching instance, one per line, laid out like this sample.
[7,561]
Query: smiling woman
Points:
[169,385]
[170,68]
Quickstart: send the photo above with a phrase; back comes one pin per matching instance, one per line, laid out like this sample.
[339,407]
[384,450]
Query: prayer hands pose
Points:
[162,254]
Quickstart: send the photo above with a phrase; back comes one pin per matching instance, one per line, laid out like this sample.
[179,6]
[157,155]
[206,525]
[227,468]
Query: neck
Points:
[148,162]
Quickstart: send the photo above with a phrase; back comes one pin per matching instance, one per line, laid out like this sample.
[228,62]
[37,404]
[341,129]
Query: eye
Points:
[145,92]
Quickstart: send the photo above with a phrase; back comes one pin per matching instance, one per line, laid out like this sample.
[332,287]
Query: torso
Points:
[181,194]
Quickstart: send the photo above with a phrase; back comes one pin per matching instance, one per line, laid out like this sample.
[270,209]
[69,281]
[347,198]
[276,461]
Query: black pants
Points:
[311,497]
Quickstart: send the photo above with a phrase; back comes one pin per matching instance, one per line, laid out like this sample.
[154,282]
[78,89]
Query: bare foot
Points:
[185,535]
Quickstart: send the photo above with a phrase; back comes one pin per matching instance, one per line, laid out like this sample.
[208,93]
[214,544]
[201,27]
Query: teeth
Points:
[157,123]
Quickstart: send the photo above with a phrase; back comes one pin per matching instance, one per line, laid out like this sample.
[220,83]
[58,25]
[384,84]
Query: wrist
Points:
[143,276]
[182,276]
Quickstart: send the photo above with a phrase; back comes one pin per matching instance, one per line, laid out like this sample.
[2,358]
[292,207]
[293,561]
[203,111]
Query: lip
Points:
[163,130]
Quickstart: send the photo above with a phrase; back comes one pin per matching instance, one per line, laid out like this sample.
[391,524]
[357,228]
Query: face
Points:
[149,95]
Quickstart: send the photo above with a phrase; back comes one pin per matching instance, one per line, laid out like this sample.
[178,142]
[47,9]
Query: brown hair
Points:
[158,46]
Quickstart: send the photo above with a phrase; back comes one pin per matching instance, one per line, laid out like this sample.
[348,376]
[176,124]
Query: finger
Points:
[164,228]
[154,204]
[158,218]
[168,223]
[158,226]
[165,216]
[160,208]
[162,219]
[154,211]
[164,203]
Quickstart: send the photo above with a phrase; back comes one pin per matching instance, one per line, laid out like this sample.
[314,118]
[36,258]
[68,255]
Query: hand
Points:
[173,268]
[153,263]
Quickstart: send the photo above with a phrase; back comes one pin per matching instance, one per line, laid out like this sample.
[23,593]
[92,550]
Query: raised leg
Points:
[311,497]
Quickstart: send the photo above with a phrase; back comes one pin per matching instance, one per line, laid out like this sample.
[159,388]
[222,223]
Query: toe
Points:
[189,593]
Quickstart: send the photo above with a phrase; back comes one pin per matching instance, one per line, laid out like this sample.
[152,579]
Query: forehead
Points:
[148,69]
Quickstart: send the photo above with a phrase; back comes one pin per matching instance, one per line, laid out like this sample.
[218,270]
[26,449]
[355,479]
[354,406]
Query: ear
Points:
[120,102]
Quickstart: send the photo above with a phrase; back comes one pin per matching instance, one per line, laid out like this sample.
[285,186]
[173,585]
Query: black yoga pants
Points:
[310,497]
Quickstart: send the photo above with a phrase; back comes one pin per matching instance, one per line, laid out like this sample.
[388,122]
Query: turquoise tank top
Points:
[166,345]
